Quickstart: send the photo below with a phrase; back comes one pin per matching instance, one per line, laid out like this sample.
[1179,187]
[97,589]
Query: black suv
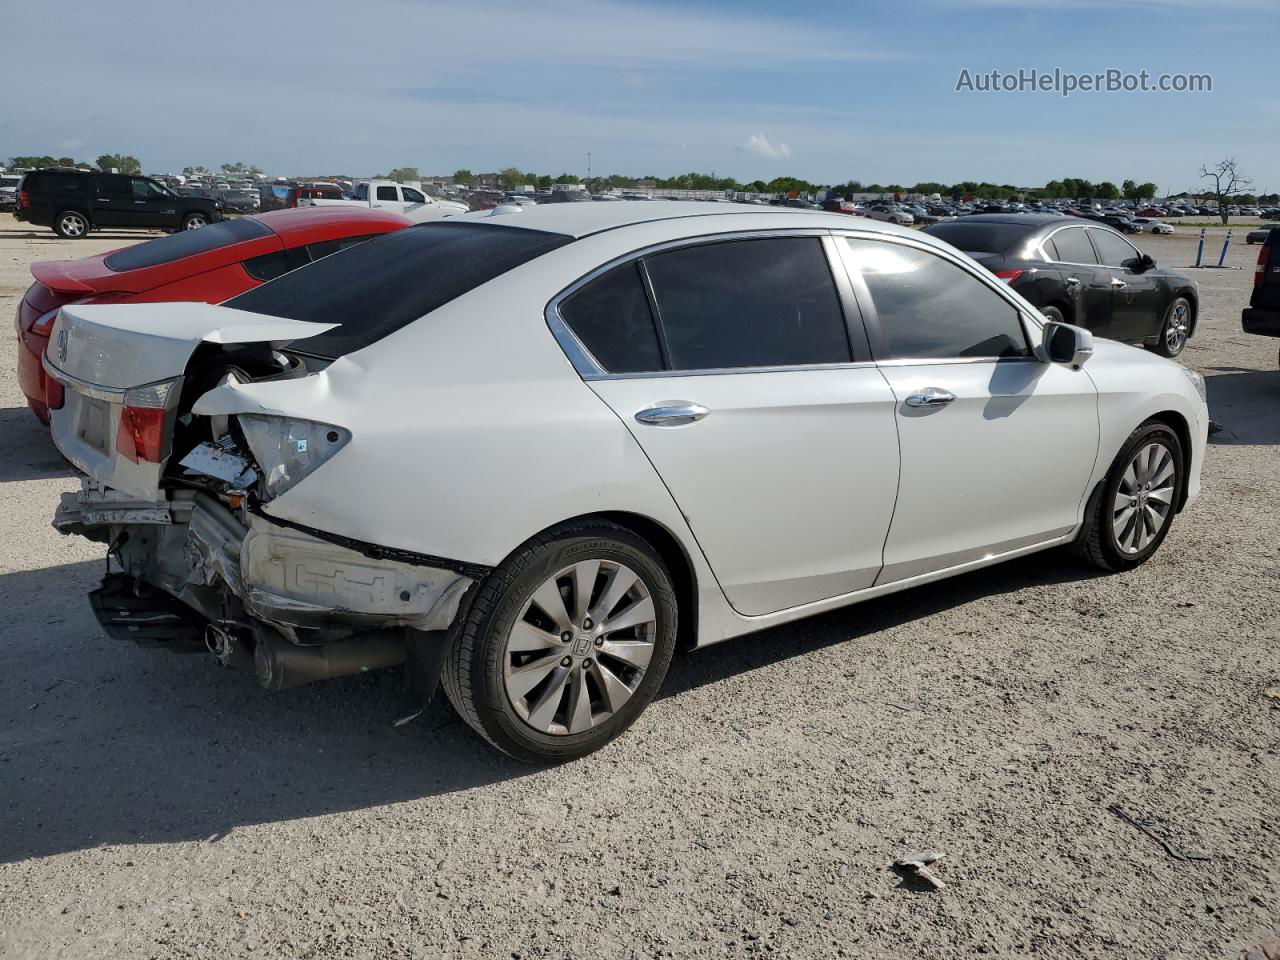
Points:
[74,202]
[1262,316]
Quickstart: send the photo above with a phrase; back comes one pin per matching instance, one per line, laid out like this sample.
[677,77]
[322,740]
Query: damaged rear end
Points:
[181,468]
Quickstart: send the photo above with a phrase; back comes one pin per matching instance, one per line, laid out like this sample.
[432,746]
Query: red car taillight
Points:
[143,434]
[24,199]
[1260,271]
[1008,276]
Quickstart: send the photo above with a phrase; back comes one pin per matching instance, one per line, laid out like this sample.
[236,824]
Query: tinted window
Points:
[611,317]
[146,190]
[375,288]
[749,303]
[317,251]
[930,308]
[980,237]
[62,183]
[412,195]
[188,243]
[115,185]
[266,267]
[387,193]
[1111,249]
[1073,246]
[362,191]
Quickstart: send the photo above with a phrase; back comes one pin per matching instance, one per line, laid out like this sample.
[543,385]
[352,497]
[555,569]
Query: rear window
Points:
[54,181]
[187,243]
[980,237]
[377,287]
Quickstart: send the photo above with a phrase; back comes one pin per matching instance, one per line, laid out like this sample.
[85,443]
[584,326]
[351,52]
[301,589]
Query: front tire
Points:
[1175,330]
[71,225]
[565,644]
[1130,513]
[194,221]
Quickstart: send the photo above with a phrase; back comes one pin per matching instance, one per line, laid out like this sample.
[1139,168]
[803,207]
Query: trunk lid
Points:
[121,368]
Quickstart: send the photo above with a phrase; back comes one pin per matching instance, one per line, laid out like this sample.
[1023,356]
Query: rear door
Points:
[113,205]
[997,447]
[386,196]
[1136,308]
[1088,283]
[730,363]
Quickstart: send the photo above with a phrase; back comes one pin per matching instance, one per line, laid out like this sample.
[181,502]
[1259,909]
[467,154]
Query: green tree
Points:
[511,177]
[120,162]
[32,162]
[404,175]
[543,182]
[566,178]
[1107,190]
[464,177]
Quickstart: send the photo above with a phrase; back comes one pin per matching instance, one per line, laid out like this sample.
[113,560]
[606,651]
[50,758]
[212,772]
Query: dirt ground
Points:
[154,806]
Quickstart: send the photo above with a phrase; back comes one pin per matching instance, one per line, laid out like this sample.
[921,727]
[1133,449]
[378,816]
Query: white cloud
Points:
[758,143]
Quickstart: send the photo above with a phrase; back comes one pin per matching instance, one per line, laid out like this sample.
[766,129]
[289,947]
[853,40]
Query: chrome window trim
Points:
[589,368]
[1068,263]
[1116,233]
[872,319]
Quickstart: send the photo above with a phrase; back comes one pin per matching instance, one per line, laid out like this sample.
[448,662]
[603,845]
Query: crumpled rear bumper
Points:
[193,546]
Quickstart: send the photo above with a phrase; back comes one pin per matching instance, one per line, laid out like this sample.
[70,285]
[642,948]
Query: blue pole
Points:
[1225,243]
[1200,249]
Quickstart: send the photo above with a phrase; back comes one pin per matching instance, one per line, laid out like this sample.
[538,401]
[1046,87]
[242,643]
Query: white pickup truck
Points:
[396,197]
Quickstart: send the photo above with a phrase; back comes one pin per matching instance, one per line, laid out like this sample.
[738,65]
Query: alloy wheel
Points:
[1175,332]
[1144,499]
[580,647]
[195,223]
[74,226]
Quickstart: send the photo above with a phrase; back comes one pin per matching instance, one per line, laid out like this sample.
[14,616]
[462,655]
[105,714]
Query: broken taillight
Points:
[1008,276]
[289,450]
[143,435]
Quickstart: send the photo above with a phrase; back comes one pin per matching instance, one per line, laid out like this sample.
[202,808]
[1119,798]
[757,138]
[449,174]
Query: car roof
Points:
[1028,220]
[283,222]
[687,218]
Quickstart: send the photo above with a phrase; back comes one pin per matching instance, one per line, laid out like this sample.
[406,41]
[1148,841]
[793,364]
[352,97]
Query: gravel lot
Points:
[154,806]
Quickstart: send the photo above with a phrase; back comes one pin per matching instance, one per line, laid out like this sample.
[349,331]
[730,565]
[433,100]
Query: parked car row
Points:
[580,423]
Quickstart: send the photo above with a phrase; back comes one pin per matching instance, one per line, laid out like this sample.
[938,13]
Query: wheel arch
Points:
[673,554]
[1178,424]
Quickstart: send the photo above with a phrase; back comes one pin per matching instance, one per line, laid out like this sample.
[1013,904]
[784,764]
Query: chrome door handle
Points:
[672,413]
[1073,281]
[930,397]
[1115,282]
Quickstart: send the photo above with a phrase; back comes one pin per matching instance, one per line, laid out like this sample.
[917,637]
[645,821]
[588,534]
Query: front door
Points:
[1135,294]
[1087,282]
[776,441]
[996,446]
[152,206]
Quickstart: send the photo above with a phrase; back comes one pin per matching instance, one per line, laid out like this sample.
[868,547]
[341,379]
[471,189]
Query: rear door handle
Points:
[1073,281]
[1116,282]
[672,413]
[930,397]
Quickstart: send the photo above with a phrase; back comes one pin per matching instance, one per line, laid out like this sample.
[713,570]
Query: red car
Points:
[209,265]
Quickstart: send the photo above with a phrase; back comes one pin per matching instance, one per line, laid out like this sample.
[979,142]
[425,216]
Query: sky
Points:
[827,91]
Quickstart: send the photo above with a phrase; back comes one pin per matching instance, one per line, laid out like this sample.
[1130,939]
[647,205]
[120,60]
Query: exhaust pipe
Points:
[280,664]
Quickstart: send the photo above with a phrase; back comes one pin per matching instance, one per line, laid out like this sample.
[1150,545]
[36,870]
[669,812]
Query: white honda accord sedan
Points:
[532,454]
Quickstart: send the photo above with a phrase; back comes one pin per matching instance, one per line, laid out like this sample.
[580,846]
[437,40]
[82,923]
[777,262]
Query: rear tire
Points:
[589,687]
[1135,491]
[71,225]
[1175,330]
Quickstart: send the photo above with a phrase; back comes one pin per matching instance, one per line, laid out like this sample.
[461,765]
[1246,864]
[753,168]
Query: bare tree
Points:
[1228,182]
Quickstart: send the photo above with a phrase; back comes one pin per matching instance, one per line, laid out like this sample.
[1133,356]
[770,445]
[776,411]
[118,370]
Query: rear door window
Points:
[611,316]
[1073,246]
[387,193]
[749,303]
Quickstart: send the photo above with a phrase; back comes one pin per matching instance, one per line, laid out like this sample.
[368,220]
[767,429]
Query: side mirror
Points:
[1139,264]
[1064,343]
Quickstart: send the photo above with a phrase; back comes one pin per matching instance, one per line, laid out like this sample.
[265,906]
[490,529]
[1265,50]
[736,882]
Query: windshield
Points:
[376,288]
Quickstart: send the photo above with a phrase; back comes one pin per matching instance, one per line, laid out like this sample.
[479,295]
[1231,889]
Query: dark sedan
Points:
[1082,272]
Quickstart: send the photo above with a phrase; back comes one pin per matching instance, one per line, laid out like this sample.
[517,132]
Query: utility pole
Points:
[588,164]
